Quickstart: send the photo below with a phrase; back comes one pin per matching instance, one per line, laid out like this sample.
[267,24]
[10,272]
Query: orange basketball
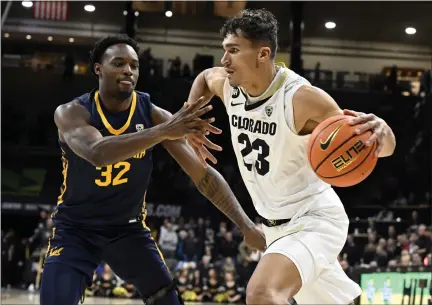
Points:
[338,155]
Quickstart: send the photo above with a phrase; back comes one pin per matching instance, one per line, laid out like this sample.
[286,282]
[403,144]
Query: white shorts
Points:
[312,240]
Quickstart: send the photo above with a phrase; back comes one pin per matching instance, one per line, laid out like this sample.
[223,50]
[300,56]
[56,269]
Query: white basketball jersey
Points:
[271,156]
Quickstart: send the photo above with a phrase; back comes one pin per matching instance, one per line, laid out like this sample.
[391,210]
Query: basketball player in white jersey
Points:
[272,111]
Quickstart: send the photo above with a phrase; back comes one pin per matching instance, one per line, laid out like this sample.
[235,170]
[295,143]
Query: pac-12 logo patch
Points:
[269,110]
[139,127]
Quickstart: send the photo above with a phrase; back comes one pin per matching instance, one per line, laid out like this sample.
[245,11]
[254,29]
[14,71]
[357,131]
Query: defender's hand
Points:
[370,122]
[199,142]
[187,121]
[255,239]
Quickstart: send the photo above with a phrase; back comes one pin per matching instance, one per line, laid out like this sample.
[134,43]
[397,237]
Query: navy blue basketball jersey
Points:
[113,194]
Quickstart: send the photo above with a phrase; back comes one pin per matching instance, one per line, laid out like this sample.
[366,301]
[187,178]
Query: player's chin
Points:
[124,93]
[233,82]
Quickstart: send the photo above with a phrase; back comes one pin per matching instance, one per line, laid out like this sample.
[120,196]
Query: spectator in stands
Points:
[190,247]
[392,249]
[197,282]
[228,265]
[345,266]
[183,282]
[245,270]
[351,252]
[405,259]
[211,286]
[424,241]
[105,283]
[231,292]
[180,245]
[168,241]
[205,265]
[191,224]
[391,232]
[227,247]
[369,253]
[381,257]
[413,247]
[200,230]
[209,240]
[403,242]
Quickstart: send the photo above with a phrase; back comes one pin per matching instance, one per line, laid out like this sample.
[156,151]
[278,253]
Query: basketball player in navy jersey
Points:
[106,137]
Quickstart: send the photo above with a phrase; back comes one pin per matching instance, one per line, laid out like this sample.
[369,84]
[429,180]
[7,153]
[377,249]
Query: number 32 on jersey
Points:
[261,164]
[113,174]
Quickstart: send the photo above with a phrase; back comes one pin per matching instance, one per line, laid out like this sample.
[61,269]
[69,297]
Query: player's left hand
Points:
[200,142]
[365,122]
[255,239]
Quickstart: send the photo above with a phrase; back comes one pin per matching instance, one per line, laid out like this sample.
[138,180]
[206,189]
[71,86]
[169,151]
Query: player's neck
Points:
[262,81]
[113,103]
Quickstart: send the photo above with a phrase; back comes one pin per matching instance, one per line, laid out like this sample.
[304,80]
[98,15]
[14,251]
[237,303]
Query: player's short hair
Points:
[257,25]
[101,45]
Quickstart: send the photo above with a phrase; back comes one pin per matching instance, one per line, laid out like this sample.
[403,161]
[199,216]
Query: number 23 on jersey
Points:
[261,164]
[113,174]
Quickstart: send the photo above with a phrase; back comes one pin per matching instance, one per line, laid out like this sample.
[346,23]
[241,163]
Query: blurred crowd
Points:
[210,261]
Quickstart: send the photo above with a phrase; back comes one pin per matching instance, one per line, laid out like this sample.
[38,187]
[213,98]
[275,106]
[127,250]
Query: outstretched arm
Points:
[72,121]
[210,183]
[208,83]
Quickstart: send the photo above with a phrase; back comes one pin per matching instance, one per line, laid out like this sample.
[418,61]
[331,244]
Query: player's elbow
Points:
[97,157]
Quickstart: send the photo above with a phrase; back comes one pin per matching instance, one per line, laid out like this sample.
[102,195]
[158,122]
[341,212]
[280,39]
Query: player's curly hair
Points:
[101,45]
[257,25]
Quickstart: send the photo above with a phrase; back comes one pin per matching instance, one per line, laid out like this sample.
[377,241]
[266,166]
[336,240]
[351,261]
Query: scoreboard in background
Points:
[403,287]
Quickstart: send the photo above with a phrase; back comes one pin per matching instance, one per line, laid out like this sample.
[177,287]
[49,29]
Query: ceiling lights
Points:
[168,14]
[89,8]
[71,40]
[27,4]
[330,25]
[410,31]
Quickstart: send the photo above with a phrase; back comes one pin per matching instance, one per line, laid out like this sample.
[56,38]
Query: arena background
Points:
[370,56]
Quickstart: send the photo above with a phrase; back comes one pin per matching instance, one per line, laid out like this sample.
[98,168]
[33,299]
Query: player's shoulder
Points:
[70,110]
[141,95]
[294,81]
[77,107]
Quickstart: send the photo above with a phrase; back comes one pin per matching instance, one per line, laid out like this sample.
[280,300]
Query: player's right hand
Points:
[255,238]
[187,120]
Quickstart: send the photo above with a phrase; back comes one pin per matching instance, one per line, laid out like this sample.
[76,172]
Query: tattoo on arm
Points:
[217,190]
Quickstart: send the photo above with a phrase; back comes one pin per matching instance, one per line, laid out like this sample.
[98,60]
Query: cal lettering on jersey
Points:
[140,155]
[258,126]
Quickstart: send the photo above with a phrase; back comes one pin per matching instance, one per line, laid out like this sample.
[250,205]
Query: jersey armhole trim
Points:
[289,108]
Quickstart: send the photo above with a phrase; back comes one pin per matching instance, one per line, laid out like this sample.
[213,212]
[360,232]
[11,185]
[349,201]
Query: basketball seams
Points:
[357,166]
[330,153]
[317,136]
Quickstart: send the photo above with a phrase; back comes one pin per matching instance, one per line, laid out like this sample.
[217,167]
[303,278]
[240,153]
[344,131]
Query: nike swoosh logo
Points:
[325,145]
[236,104]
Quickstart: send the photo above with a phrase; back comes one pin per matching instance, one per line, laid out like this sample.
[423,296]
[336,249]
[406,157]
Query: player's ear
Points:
[264,54]
[97,68]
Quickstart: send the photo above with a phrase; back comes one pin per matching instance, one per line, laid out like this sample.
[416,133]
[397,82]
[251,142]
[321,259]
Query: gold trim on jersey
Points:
[64,173]
[105,121]
[277,85]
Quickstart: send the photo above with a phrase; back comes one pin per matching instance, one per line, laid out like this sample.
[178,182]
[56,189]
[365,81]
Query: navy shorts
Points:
[129,250]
